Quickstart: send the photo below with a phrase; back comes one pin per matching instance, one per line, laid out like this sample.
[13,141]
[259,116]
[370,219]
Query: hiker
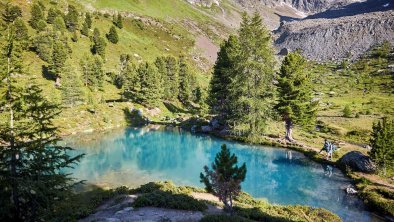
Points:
[325,146]
[329,148]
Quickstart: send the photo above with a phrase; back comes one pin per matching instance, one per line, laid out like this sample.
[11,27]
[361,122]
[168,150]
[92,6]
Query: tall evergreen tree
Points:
[85,29]
[52,14]
[131,81]
[99,44]
[225,178]
[295,100]
[118,21]
[59,24]
[11,12]
[382,143]
[36,15]
[42,44]
[185,90]
[31,178]
[92,72]
[72,93]
[149,93]
[72,18]
[59,57]
[220,99]
[21,32]
[112,35]
[88,20]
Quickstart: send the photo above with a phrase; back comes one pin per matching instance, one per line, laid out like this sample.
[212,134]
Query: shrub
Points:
[347,112]
[223,218]
[380,200]
[169,200]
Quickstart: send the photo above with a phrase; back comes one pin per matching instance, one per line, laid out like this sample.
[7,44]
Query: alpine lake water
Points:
[135,156]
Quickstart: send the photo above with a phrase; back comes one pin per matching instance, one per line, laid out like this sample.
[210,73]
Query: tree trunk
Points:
[289,130]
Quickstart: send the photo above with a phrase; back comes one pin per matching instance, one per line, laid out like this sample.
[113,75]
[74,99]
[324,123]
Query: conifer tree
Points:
[149,93]
[42,44]
[59,57]
[72,93]
[131,81]
[85,29]
[225,178]
[21,32]
[185,91]
[252,88]
[118,21]
[295,97]
[59,24]
[382,143]
[220,99]
[52,14]
[31,178]
[92,72]
[11,13]
[41,26]
[112,35]
[36,15]
[72,18]
[99,44]
[88,20]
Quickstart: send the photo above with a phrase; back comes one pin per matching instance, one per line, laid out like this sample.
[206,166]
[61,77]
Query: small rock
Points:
[351,190]
[206,129]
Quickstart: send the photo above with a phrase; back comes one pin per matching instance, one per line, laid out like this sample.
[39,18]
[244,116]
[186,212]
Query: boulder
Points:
[206,129]
[358,162]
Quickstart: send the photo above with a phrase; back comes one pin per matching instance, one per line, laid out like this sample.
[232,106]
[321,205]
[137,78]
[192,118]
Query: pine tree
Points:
[52,14]
[149,93]
[295,103]
[382,143]
[220,99]
[88,20]
[11,13]
[92,72]
[99,44]
[85,29]
[112,35]
[225,178]
[72,93]
[59,24]
[131,81]
[36,15]
[31,178]
[185,90]
[59,57]
[72,18]
[42,44]
[41,26]
[118,21]
[21,32]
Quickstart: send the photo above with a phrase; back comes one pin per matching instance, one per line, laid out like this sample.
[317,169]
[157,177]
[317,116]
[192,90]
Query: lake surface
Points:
[136,156]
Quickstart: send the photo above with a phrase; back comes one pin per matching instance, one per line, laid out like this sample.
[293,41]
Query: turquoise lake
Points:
[136,156]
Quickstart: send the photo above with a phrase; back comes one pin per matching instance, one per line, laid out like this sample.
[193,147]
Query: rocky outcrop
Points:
[358,162]
[334,39]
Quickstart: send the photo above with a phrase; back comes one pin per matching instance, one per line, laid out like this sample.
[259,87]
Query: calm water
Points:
[137,156]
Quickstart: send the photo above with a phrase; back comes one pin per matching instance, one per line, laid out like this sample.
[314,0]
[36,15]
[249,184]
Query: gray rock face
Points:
[333,39]
[358,161]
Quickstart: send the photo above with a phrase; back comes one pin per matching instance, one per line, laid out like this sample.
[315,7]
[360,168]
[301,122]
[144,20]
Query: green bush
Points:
[380,200]
[347,112]
[223,218]
[165,199]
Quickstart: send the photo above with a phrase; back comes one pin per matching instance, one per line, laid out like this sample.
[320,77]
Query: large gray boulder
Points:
[358,162]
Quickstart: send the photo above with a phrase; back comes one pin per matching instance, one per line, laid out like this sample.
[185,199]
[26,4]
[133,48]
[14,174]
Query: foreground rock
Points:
[358,162]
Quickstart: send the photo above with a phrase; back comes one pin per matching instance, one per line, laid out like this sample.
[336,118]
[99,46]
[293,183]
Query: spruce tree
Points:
[52,14]
[72,93]
[149,93]
[131,81]
[42,44]
[225,178]
[224,71]
[88,20]
[118,21]
[382,143]
[31,178]
[59,24]
[92,72]
[41,26]
[59,57]
[36,15]
[99,44]
[21,32]
[11,13]
[295,96]
[112,35]
[185,90]
[85,29]
[72,18]
[252,88]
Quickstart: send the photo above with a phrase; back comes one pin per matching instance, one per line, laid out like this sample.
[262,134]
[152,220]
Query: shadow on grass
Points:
[133,118]
[47,74]
[174,109]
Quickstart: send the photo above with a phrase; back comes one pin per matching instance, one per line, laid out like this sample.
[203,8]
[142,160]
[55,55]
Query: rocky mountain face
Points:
[339,32]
